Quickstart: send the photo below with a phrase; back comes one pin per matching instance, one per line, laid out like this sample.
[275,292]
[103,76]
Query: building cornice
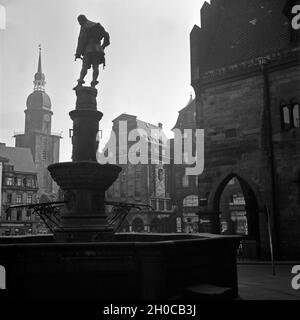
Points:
[275,61]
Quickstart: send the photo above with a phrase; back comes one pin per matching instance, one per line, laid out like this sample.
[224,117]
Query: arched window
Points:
[296,115]
[191,201]
[2,278]
[285,116]
[290,115]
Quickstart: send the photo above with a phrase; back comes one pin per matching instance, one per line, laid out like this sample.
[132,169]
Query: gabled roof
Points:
[124,116]
[20,158]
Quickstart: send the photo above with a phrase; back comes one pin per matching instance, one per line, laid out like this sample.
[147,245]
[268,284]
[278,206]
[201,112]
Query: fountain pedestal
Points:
[84,181]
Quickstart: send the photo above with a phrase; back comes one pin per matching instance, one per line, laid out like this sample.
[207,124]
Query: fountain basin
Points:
[131,267]
[84,184]
[80,175]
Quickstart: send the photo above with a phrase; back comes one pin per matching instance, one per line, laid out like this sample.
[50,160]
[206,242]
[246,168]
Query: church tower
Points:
[37,136]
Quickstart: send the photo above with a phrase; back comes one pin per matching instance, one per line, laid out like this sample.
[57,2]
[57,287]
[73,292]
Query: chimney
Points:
[160,125]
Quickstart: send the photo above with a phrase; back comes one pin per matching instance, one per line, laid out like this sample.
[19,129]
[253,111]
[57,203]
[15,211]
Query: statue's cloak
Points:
[90,37]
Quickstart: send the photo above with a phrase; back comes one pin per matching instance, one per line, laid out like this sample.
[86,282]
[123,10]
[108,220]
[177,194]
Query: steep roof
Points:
[234,31]
[20,158]
[187,116]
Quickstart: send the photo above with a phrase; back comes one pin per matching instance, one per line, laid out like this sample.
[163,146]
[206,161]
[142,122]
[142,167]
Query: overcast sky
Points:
[147,64]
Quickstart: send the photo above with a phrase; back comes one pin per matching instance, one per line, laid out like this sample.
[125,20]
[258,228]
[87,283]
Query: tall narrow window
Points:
[19,199]
[185,181]
[8,215]
[19,215]
[123,185]
[153,204]
[296,115]
[28,214]
[138,183]
[168,205]
[161,204]
[29,199]
[285,117]
[9,198]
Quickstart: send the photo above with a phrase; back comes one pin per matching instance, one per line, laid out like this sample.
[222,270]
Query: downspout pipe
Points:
[270,155]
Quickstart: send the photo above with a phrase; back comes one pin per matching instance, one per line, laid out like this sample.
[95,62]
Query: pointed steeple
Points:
[39,77]
[40,60]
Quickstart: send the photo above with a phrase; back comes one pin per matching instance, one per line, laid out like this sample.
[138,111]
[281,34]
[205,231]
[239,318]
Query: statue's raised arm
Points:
[92,41]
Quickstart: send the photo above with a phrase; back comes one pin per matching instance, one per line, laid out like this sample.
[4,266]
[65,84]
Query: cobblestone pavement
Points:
[256,282]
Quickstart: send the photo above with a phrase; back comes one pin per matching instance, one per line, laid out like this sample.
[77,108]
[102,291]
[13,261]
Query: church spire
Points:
[39,77]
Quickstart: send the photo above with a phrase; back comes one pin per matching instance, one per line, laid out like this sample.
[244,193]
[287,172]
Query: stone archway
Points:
[251,240]
[221,182]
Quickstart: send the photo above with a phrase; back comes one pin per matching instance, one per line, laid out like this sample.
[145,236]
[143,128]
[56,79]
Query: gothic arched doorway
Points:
[236,203]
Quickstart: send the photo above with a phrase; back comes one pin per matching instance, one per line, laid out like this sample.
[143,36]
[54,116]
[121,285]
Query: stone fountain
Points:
[84,259]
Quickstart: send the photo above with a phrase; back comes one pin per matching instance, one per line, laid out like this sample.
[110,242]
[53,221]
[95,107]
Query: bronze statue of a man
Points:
[92,41]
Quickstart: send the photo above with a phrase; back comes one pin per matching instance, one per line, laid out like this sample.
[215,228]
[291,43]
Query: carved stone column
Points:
[84,181]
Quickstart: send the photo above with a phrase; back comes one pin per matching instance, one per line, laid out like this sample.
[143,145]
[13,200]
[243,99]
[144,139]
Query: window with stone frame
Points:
[29,198]
[45,153]
[296,115]
[185,181]
[138,184]
[168,205]
[161,204]
[153,204]
[290,115]
[285,116]
[18,181]
[19,215]
[28,214]
[8,215]
[9,181]
[9,198]
[123,185]
[19,199]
